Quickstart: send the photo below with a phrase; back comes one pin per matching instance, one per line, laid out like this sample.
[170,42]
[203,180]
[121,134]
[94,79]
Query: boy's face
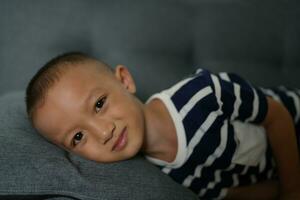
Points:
[92,112]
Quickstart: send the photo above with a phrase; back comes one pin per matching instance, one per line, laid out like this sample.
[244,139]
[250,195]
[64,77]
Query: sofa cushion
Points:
[29,165]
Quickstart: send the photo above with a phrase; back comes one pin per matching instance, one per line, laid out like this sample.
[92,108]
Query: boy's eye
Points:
[99,104]
[77,138]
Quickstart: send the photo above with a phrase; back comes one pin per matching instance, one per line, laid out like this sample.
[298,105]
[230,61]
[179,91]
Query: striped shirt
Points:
[220,142]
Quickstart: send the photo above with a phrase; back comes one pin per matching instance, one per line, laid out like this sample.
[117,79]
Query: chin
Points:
[132,150]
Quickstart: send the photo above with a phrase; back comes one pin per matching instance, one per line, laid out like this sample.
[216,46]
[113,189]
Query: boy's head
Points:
[82,105]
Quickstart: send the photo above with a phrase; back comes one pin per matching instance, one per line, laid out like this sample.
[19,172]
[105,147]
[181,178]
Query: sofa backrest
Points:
[160,40]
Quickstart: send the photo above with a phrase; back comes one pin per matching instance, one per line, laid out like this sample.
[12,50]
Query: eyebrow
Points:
[87,100]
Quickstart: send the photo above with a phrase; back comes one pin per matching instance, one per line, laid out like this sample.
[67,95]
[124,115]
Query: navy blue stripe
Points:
[207,174]
[207,145]
[227,178]
[225,159]
[221,162]
[198,114]
[202,182]
[244,179]
[227,175]
[247,96]
[237,79]
[246,108]
[264,174]
[298,134]
[187,91]
[262,107]
[286,100]
[260,176]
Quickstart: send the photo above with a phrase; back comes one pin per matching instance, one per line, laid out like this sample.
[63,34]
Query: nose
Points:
[103,130]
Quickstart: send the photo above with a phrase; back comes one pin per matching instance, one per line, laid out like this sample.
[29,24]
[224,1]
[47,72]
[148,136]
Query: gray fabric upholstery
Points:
[29,165]
[159,40]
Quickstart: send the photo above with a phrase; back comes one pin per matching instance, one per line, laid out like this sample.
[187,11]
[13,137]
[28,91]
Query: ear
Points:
[124,76]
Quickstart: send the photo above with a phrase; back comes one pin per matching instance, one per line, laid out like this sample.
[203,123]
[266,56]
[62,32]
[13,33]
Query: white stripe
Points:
[217,86]
[270,174]
[237,94]
[177,86]
[188,180]
[166,170]
[224,76]
[253,178]
[223,194]
[262,164]
[237,102]
[211,158]
[199,70]
[202,192]
[255,107]
[271,171]
[272,94]
[235,180]
[245,170]
[195,99]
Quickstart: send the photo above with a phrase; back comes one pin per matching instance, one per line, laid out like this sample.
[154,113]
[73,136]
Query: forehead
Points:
[83,74]
[85,68]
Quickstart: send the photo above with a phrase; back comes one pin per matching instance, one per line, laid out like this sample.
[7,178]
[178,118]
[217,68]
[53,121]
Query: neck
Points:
[160,139]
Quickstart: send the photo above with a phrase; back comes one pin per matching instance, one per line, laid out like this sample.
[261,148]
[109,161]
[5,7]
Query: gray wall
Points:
[159,40]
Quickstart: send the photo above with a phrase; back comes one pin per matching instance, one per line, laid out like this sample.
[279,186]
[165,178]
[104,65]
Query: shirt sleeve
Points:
[239,99]
[235,97]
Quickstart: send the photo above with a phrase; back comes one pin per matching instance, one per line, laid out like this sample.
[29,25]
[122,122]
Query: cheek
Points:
[127,109]
[124,106]
[93,151]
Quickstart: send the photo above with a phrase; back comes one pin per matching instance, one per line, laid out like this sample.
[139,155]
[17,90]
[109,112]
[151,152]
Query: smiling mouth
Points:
[121,141]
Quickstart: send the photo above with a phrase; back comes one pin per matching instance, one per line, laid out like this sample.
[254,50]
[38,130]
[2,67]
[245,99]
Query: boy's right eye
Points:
[77,138]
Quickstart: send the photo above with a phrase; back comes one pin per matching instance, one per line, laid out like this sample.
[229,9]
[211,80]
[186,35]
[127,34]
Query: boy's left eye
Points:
[99,104]
[77,138]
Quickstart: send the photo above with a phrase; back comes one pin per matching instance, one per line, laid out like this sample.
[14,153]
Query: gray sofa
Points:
[160,41]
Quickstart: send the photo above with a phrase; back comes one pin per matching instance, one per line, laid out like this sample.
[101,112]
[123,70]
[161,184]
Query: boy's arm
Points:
[281,135]
[266,190]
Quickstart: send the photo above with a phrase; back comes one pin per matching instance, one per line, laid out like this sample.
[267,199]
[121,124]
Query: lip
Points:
[121,141]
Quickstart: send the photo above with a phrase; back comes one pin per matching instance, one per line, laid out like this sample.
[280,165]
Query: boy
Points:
[198,131]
